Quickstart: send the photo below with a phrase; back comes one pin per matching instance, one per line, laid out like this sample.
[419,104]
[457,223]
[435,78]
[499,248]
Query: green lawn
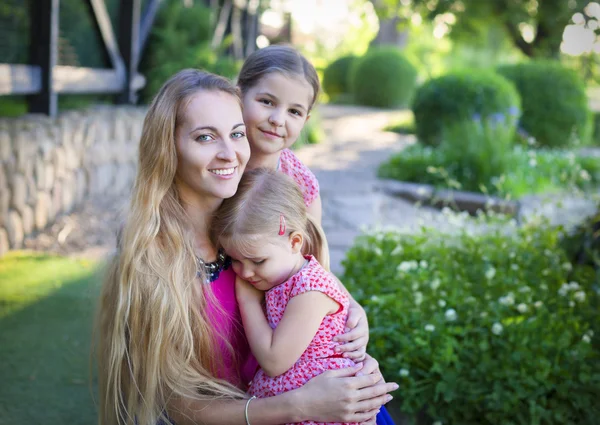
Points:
[47,305]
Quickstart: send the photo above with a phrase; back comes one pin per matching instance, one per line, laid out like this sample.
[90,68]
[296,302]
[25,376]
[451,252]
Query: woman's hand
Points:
[354,341]
[342,396]
[245,292]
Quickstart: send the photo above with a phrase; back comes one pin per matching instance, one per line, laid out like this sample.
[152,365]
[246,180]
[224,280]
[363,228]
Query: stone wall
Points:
[48,167]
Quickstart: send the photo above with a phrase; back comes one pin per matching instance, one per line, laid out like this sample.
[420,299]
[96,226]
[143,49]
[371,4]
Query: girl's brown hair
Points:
[254,212]
[278,58]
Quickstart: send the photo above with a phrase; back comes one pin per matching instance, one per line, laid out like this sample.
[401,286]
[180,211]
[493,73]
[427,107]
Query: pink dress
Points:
[309,185]
[319,355]
[237,369]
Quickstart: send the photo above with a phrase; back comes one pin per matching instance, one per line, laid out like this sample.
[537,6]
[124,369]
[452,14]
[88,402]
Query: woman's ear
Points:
[296,241]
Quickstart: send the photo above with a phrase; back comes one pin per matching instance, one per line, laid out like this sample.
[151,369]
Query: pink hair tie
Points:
[281,225]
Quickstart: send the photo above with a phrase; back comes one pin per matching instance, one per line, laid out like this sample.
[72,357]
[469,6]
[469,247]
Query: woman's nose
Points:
[227,151]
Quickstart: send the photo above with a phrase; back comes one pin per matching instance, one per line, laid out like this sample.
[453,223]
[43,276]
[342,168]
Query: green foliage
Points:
[461,96]
[403,125]
[383,77]
[46,308]
[554,102]
[488,329]
[180,39]
[312,133]
[583,244]
[336,77]
[527,171]
[596,138]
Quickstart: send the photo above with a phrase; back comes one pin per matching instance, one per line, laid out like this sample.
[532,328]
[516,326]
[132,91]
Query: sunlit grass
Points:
[46,309]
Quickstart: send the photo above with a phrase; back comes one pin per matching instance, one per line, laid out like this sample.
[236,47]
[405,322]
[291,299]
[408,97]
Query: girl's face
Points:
[275,110]
[268,262]
[212,148]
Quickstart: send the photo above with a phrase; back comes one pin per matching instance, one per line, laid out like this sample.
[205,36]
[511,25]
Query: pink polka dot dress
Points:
[309,185]
[319,355]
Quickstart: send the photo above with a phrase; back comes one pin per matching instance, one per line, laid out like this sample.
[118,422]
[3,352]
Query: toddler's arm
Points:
[278,349]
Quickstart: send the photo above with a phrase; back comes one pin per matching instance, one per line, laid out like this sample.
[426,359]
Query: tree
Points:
[535,27]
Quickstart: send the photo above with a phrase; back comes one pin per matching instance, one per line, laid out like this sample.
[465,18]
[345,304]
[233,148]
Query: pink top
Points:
[240,368]
[309,185]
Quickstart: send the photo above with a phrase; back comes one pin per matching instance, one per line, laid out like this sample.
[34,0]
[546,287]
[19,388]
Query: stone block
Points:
[68,193]
[42,210]
[58,160]
[4,205]
[19,192]
[14,230]
[50,176]
[4,245]
[28,220]
[81,186]
[56,206]
[5,144]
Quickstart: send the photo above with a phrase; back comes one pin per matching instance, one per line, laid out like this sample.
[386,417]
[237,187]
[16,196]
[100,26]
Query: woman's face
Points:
[211,144]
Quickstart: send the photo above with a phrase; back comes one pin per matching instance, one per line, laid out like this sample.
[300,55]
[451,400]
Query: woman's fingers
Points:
[354,345]
[346,372]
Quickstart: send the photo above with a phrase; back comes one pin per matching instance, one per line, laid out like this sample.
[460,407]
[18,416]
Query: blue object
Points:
[383,417]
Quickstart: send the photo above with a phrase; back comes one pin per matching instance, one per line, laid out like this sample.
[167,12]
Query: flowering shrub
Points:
[460,96]
[527,170]
[555,117]
[491,329]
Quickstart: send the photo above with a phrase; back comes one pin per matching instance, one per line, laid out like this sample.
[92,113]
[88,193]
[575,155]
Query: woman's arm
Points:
[333,396]
[278,349]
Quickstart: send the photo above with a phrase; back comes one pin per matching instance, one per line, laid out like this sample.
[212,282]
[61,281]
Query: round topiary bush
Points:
[554,102]
[459,96]
[336,77]
[383,77]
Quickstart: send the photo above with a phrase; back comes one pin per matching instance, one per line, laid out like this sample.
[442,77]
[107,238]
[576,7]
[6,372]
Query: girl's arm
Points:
[278,349]
[333,396]
[315,209]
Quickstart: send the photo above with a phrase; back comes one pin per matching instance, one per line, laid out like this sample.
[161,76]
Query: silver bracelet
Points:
[246,409]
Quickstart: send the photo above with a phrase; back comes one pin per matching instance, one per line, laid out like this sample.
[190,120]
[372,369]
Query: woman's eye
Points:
[238,135]
[204,138]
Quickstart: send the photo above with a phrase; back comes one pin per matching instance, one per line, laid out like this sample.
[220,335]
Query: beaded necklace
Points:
[213,269]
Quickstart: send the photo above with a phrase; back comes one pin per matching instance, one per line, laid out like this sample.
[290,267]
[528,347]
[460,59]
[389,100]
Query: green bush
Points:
[384,78]
[461,96]
[597,128]
[496,328]
[180,39]
[336,77]
[312,133]
[554,103]
[528,171]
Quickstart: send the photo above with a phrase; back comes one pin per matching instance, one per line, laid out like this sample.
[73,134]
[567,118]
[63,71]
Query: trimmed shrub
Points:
[554,103]
[336,77]
[461,96]
[384,78]
[597,128]
[495,328]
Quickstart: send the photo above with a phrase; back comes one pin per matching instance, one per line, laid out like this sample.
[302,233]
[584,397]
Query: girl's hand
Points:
[354,341]
[341,396]
[245,292]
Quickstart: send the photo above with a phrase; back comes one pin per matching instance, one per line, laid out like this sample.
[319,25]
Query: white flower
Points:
[522,308]
[586,338]
[450,315]
[532,162]
[470,299]
[378,251]
[571,303]
[437,423]
[567,266]
[442,303]
[509,299]
[524,289]
[514,267]
[423,264]
[415,286]
[497,328]
[573,286]
[545,272]
[538,304]
[490,273]
[579,296]
[512,255]
[585,175]
[544,286]
[590,332]
[435,283]
[403,372]
[429,328]
[407,266]
[418,298]
[397,250]
[562,291]
[483,314]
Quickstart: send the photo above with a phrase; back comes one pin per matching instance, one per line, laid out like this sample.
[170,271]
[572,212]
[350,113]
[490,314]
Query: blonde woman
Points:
[171,345]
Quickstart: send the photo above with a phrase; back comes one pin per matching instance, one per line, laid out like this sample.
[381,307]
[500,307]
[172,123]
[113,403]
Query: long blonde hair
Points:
[155,342]
[264,196]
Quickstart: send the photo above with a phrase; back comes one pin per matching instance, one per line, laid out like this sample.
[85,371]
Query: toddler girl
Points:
[266,231]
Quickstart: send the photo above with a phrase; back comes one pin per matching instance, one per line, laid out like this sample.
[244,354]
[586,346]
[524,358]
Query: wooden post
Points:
[129,45]
[44,53]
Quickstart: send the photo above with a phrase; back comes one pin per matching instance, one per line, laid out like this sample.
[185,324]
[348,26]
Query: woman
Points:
[171,347]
